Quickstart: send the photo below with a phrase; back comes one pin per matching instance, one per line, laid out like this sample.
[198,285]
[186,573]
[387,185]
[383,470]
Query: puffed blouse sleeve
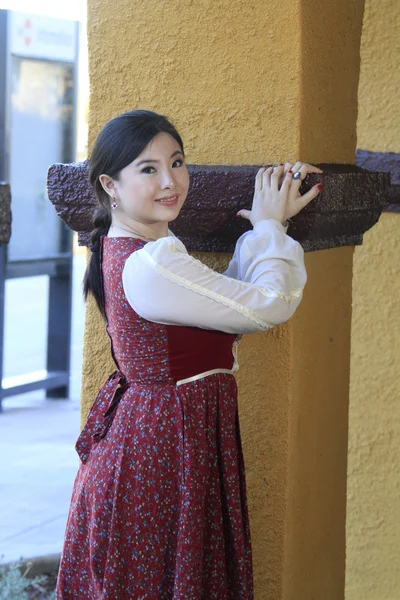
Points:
[261,288]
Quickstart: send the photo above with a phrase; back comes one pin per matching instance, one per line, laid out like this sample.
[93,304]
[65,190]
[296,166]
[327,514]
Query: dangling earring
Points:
[114,205]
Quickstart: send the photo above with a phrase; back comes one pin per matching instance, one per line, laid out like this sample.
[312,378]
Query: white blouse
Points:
[261,288]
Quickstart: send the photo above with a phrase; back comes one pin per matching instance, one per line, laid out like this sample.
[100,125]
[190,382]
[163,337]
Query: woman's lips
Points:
[168,200]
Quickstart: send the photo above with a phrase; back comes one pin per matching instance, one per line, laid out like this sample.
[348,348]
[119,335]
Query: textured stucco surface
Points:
[215,68]
[244,82]
[315,519]
[373,503]
[293,401]
[248,83]
[97,359]
[379,107]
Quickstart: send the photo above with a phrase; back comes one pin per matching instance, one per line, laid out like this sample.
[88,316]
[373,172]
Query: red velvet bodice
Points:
[150,352]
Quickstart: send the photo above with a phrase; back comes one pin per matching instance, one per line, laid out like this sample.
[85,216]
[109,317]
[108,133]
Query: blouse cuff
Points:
[270,225]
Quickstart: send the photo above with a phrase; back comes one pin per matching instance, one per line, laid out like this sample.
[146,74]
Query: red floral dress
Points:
[158,509]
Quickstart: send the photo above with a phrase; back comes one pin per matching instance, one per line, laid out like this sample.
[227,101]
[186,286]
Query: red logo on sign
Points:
[28,32]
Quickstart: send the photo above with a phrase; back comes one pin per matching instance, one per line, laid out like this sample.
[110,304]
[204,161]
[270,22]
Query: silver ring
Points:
[297,175]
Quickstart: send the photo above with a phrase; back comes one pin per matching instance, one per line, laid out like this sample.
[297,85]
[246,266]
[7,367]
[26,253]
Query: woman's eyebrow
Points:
[156,161]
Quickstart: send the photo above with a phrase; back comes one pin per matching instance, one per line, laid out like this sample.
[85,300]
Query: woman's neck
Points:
[136,229]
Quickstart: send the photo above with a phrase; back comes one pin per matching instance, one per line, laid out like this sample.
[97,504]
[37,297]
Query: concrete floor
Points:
[37,436]
[36,472]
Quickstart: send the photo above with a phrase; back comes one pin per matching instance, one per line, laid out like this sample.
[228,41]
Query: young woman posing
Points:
[159,508]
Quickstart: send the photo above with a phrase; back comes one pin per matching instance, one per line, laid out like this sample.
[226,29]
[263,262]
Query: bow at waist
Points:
[101,414]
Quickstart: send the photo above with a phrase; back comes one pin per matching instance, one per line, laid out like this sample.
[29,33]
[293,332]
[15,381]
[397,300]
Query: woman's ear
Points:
[108,184]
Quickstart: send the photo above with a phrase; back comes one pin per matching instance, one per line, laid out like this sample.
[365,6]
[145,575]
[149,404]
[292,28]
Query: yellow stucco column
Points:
[249,83]
[373,503]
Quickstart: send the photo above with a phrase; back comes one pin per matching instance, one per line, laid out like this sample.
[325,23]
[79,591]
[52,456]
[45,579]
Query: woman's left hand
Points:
[305,169]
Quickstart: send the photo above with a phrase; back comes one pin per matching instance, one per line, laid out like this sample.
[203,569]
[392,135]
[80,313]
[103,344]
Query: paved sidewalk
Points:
[38,461]
[37,468]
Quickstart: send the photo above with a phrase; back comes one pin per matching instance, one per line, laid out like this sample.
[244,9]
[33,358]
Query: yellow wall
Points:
[373,503]
[378,123]
[237,97]
[293,392]
[247,83]
[244,82]
[206,65]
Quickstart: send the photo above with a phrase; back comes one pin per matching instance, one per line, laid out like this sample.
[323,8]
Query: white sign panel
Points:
[42,37]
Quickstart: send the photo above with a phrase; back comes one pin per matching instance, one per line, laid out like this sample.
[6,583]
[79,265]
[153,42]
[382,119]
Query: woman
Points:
[159,508]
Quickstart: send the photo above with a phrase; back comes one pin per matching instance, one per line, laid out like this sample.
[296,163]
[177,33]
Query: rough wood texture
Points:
[5,213]
[384,161]
[350,203]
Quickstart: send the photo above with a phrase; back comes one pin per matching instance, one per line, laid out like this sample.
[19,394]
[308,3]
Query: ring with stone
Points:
[297,175]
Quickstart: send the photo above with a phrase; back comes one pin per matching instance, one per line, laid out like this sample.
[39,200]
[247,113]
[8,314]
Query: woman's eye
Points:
[180,162]
[177,163]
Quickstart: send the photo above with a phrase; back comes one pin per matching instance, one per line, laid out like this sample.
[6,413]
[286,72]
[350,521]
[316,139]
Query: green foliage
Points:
[14,584]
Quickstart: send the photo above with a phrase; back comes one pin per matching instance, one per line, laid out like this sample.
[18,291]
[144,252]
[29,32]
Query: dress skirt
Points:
[159,509]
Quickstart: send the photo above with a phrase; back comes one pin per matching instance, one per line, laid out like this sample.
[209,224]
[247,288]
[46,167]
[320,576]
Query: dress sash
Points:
[101,414]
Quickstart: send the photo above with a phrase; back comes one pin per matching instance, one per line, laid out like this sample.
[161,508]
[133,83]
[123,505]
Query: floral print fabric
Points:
[158,509]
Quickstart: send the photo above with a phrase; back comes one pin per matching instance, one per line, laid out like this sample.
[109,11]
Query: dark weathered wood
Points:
[350,203]
[5,213]
[384,161]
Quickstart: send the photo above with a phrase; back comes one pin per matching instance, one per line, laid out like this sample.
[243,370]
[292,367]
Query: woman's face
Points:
[153,187]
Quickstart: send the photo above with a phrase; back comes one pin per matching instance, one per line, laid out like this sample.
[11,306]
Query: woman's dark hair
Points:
[119,143]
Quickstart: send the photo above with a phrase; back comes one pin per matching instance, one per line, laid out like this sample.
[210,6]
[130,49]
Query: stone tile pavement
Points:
[38,461]
[37,468]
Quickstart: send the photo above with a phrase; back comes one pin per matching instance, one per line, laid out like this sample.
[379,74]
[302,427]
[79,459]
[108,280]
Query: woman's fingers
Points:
[259,179]
[286,167]
[267,176]
[277,193]
[305,168]
[275,177]
[245,214]
[299,203]
[287,182]
[296,166]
